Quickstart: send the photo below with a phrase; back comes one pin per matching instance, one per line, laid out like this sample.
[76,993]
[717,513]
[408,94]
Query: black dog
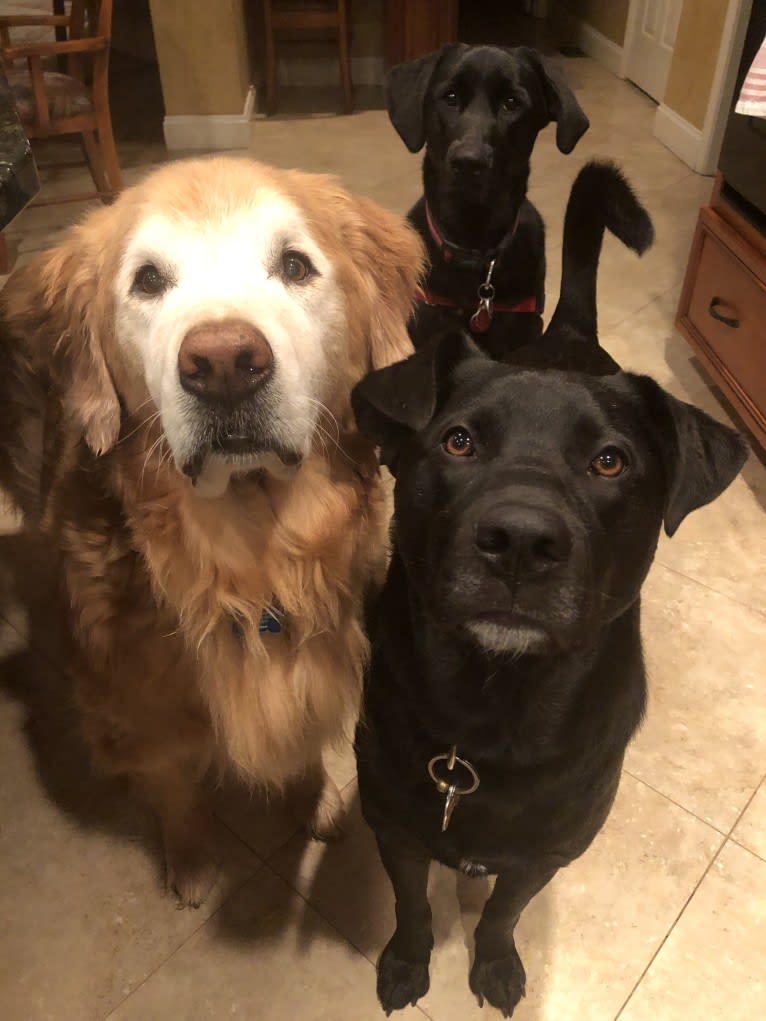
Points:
[506,645]
[478,110]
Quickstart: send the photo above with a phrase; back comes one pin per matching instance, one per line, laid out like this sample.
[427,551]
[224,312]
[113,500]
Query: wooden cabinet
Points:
[722,311]
[416,27]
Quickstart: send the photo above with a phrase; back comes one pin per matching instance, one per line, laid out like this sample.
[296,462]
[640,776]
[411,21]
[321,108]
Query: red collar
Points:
[475,257]
[481,319]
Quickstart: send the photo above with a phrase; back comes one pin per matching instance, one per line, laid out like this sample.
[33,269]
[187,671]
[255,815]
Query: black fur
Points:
[601,199]
[509,623]
[475,174]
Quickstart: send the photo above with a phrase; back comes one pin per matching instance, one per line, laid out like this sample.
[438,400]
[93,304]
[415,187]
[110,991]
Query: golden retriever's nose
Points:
[223,362]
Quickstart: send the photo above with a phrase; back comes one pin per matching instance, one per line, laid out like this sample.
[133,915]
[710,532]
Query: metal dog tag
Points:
[449,806]
[481,320]
[453,792]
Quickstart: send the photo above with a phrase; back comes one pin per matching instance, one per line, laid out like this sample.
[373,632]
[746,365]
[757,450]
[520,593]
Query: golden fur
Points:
[166,589]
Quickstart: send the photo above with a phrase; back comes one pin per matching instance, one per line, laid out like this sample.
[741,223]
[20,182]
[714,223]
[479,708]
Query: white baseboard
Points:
[315,72]
[591,41]
[596,45]
[681,137]
[211,131]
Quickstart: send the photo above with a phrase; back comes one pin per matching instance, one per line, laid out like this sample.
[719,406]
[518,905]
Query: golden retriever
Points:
[175,411]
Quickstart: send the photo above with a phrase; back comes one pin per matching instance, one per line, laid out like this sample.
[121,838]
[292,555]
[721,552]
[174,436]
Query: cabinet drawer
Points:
[725,287]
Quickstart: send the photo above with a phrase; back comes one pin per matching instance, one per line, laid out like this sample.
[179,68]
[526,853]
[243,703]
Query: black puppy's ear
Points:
[701,456]
[392,403]
[563,108]
[405,87]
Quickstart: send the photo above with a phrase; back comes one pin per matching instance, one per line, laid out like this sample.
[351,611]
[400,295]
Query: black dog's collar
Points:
[460,256]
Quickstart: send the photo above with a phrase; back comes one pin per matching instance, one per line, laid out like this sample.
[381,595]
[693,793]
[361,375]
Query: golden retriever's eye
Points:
[610,463]
[509,103]
[458,442]
[296,268]
[450,98]
[149,280]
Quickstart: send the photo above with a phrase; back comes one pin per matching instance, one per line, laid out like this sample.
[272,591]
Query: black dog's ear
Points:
[405,87]
[701,456]
[563,108]
[392,403]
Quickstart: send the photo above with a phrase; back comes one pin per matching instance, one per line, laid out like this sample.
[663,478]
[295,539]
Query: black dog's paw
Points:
[501,983]
[400,982]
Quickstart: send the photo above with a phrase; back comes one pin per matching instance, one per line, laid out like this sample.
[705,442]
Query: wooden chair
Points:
[298,17]
[51,103]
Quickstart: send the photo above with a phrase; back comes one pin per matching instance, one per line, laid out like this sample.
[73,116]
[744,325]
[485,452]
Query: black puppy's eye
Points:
[296,268]
[450,98]
[458,443]
[149,280]
[510,103]
[610,463]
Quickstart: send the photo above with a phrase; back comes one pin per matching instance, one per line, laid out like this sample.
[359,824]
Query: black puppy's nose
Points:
[535,539]
[470,160]
[224,362]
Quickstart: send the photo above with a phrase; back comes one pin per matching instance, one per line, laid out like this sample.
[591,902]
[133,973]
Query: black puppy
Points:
[478,110]
[507,675]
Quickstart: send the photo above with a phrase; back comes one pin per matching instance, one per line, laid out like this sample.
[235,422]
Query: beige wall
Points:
[694,59]
[609,17]
[202,55]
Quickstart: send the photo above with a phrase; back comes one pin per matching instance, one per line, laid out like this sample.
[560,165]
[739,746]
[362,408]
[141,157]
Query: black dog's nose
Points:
[223,362]
[470,160]
[534,538]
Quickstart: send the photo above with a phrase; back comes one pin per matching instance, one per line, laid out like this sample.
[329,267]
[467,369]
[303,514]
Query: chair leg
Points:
[5,264]
[108,152]
[345,63]
[96,164]
[271,60]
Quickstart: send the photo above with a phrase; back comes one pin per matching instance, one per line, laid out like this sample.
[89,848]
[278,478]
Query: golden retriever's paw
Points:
[190,879]
[326,822]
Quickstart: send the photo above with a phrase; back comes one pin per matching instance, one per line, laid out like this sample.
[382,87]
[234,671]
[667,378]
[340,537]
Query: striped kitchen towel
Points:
[752,98]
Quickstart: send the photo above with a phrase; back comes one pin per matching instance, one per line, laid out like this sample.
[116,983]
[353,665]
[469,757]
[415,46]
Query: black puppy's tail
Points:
[601,198]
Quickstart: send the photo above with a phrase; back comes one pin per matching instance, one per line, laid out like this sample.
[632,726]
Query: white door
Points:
[654,24]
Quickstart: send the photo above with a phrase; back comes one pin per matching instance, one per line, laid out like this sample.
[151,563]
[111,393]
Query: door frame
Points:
[700,148]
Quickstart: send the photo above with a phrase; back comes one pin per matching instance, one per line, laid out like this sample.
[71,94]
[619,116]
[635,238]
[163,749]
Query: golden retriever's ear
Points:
[390,258]
[55,307]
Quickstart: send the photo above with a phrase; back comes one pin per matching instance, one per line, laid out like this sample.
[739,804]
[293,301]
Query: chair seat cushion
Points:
[67,97]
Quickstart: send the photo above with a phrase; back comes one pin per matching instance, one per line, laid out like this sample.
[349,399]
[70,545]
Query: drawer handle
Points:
[726,320]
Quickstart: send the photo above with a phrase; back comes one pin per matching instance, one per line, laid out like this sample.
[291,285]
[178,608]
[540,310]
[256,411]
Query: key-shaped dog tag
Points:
[449,805]
[449,787]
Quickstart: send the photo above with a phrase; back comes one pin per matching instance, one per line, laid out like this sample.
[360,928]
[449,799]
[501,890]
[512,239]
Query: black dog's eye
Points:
[296,268]
[610,463]
[149,280]
[458,442]
[510,103]
[450,98]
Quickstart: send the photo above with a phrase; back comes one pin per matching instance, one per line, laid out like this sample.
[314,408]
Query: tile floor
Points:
[663,918]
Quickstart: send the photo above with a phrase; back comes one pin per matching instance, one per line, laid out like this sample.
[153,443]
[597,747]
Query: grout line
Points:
[688,811]
[748,850]
[702,584]
[181,945]
[604,333]
[726,838]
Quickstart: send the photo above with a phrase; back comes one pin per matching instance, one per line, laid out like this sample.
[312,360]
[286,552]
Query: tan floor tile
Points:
[266,823]
[85,915]
[750,831]
[703,743]
[266,955]
[584,940]
[713,965]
